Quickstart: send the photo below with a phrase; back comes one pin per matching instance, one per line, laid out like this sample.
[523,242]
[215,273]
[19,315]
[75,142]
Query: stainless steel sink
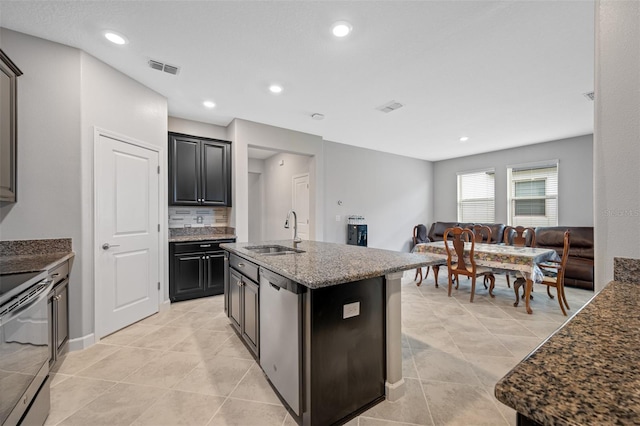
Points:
[273,250]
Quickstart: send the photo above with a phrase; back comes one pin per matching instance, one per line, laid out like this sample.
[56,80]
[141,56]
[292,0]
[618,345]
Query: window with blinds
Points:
[533,194]
[476,196]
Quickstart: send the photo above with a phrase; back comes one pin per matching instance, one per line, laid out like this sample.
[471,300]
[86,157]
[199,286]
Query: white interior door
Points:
[126,233]
[301,204]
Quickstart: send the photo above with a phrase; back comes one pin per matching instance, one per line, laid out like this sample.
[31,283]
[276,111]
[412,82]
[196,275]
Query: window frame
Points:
[490,200]
[512,198]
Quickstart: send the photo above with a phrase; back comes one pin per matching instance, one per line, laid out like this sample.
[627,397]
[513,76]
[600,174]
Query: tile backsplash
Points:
[193,217]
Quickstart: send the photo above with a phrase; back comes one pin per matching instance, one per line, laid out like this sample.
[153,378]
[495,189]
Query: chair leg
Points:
[484,281]
[436,269]
[418,272]
[491,278]
[564,298]
[450,283]
[549,292]
[473,288]
[516,289]
[508,283]
[560,302]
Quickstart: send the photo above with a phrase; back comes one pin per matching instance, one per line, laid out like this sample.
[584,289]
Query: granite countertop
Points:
[33,255]
[32,263]
[201,237]
[325,264]
[587,371]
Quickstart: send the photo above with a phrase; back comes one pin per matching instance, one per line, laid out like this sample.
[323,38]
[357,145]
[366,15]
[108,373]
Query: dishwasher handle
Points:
[279,282]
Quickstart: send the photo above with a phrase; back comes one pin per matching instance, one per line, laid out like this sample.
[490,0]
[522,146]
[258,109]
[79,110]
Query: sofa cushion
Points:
[436,233]
[497,231]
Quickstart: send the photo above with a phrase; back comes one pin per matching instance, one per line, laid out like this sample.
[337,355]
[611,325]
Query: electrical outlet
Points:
[337,218]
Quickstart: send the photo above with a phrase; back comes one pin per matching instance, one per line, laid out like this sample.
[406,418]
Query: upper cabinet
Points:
[199,171]
[8,128]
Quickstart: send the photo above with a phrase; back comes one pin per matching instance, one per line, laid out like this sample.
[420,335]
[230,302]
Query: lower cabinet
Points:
[242,301]
[196,270]
[59,312]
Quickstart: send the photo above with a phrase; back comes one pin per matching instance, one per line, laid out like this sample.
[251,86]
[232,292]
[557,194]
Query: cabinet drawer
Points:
[198,246]
[244,266]
[60,272]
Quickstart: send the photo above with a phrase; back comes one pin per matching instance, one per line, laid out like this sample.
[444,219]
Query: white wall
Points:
[247,133]
[256,209]
[575,178]
[392,192]
[197,128]
[112,101]
[278,192]
[617,135]
[49,174]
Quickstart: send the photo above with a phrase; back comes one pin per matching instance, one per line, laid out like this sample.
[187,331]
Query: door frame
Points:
[97,132]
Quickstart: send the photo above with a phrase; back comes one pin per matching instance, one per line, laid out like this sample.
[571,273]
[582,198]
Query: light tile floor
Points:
[187,367]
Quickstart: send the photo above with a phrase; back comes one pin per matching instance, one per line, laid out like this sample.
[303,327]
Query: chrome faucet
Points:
[296,239]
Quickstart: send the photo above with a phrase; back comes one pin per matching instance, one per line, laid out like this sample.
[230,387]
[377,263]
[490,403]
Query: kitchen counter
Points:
[326,264]
[201,237]
[33,255]
[587,371]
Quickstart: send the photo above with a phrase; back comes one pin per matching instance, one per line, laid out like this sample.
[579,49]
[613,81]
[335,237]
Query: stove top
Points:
[13,284]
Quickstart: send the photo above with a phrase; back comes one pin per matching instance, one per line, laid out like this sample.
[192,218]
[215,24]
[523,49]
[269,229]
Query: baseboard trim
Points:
[165,306]
[83,342]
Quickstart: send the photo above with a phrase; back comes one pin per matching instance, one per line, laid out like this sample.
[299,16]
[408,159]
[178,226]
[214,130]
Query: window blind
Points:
[476,196]
[533,195]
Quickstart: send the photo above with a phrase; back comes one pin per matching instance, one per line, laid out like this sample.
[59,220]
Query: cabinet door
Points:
[250,314]
[184,170]
[62,317]
[216,179]
[235,294]
[188,277]
[214,283]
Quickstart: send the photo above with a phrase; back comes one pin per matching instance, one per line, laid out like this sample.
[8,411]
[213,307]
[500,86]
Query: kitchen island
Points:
[329,330]
[587,372]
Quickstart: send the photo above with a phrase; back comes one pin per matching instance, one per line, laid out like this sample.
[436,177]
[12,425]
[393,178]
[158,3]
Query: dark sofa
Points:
[579,271]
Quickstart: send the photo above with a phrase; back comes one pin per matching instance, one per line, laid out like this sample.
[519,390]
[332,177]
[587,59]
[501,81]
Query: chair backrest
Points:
[519,236]
[482,233]
[565,255]
[457,236]
[420,234]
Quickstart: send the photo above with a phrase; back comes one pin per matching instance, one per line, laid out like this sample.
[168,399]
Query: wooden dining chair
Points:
[553,272]
[518,236]
[464,264]
[482,233]
[420,237]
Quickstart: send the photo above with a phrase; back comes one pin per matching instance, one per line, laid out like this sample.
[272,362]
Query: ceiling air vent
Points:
[156,65]
[390,106]
[589,95]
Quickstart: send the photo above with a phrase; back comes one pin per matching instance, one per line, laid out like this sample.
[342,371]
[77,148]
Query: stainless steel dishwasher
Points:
[281,335]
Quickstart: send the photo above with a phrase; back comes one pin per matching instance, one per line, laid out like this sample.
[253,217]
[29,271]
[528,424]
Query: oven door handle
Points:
[14,308]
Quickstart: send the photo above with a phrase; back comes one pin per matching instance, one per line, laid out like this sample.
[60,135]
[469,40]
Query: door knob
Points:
[107,246]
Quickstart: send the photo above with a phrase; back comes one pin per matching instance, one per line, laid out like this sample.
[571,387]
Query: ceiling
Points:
[502,73]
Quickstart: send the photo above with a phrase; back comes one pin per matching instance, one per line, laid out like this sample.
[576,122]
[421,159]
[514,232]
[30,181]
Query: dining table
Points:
[500,257]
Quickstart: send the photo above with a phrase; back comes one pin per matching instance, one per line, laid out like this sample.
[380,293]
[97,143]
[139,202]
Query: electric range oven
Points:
[24,348]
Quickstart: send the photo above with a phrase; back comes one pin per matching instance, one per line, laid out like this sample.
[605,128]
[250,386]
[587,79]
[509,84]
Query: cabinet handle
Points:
[57,274]
[239,283]
[205,245]
[240,265]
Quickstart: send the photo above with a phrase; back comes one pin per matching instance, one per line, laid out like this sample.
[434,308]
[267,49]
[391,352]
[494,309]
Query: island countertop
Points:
[325,264]
[587,371]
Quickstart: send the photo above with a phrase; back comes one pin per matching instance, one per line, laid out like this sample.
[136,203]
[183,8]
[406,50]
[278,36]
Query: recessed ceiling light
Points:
[317,116]
[209,104]
[464,139]
[341,29]
[115,38]
[275,88]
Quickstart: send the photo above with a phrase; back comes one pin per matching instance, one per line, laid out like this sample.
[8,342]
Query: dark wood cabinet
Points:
[9,129]
[59,312]
[242,300]
[199,171]
[196,269]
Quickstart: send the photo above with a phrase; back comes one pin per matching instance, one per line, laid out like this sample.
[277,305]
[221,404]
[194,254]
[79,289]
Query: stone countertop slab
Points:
[202,237]
[32,263]
[325,264]
[587,371]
